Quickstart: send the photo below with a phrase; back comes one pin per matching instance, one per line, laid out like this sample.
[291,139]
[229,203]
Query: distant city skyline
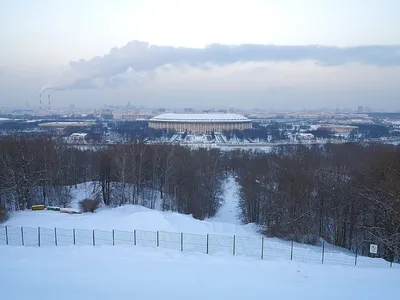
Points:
[276,55]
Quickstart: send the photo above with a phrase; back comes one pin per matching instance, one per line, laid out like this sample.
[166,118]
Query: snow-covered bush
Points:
[89,205]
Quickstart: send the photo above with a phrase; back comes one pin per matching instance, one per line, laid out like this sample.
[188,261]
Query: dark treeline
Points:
[348,194]
[41,171]
[138,130]
[12,126]
[280,131]
[106,130]
[273,131]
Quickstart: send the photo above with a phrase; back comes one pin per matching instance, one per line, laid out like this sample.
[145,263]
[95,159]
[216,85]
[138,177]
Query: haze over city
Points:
[243,54]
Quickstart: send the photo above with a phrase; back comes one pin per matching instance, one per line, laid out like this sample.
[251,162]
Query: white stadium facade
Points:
[200,123]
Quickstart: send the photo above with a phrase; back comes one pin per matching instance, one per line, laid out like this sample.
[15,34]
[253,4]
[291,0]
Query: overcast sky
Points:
[275,54]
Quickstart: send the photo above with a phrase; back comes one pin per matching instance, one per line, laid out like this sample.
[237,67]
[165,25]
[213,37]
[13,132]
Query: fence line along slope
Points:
[255,247]
[133,224]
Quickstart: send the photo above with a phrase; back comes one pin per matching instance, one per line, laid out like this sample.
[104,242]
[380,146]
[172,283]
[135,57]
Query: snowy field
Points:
[139,273]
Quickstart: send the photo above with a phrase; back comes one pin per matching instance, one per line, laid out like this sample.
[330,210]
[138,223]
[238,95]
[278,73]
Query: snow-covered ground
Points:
[130,217]
[228,213]
[104,273]
[126,219]
[125,271]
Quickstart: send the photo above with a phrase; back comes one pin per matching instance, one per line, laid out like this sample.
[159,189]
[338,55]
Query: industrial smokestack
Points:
[49,101]
[40,101]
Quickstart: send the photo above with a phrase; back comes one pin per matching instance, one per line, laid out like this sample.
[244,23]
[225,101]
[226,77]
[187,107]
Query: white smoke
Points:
[137,58]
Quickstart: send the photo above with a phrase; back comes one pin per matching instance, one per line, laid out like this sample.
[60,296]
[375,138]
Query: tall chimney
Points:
[49,101]
[40,100]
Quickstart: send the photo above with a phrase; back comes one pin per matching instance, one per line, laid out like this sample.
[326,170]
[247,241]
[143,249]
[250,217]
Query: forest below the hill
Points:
[347,194]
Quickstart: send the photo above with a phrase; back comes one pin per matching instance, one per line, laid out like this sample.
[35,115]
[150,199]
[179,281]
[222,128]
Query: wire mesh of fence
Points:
[255,247]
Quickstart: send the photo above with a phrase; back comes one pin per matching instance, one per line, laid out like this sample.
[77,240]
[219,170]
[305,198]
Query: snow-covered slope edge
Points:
[226,223]
[130,217]
[105,273]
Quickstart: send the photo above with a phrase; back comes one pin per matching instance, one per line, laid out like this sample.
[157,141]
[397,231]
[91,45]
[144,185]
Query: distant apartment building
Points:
[132,116]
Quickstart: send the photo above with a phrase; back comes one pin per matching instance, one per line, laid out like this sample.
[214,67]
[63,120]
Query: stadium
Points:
[200,123]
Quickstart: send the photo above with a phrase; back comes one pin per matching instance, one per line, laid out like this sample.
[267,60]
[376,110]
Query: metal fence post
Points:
[22,236]
[55,236]
[73,234]
[323,251]
[291,252]
[134,237]
[181,241]
[355,258]
[207,244]
[234,246]
[262,247]
[6,235]
[38,232]
[113,237]
[158,239]
[94,242]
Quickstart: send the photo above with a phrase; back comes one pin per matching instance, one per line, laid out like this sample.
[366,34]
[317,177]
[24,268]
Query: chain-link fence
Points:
[256,247]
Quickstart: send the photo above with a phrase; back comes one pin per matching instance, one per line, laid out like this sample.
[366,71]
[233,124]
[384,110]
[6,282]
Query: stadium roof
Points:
[212,117]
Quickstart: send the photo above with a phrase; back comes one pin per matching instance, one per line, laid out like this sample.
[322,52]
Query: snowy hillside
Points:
[185,272]
[130,217]
[225,231]
[105,273]
[127,217]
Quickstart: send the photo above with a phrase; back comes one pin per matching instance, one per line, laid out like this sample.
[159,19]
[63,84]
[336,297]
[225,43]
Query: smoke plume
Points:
[138,58]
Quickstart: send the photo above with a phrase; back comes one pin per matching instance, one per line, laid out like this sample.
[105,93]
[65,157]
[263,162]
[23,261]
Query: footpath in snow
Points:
[228,212]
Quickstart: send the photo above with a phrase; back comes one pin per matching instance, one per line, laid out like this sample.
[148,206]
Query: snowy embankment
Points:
[105,273]
[129,272]
[130,217]
[127,217]
[226,233]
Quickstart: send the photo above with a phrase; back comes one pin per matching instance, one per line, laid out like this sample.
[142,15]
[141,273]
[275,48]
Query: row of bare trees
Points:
[186,181]
[42,171]
[348,194]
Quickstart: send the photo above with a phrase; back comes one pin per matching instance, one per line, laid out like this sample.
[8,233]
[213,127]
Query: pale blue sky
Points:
[39,38]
